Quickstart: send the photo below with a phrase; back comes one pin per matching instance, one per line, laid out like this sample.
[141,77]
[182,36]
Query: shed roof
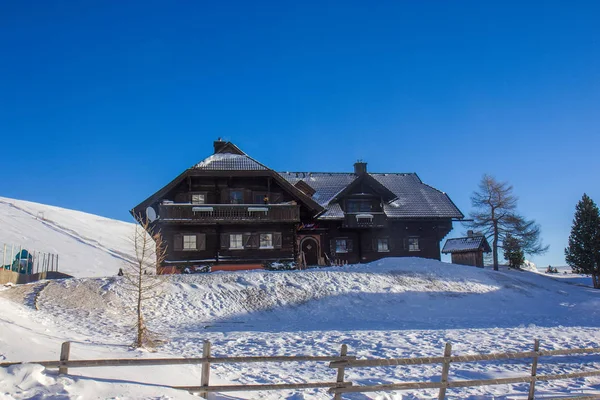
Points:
[466,244]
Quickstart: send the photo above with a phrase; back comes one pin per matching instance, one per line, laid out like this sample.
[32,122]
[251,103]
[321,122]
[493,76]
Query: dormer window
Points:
[358,206]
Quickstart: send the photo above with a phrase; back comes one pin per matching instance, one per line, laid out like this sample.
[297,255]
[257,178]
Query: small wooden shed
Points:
[467,250]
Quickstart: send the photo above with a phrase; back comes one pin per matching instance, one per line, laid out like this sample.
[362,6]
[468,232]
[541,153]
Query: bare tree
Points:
[141,276]
[496,216]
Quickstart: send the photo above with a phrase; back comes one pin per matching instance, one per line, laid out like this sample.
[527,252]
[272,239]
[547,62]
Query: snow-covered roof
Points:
[465,244]
[415,199]
[230,162]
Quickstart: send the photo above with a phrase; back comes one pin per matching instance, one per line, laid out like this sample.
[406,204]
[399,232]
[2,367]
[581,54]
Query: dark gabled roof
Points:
[386,194]
[229,157]
[230,162]
[466,244]
[405,194]
[414,198]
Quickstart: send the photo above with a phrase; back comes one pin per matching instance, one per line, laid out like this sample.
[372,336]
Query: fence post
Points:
[536,349]
[341,372]
[65,349]
[4,256]
[204,378]
[445,370]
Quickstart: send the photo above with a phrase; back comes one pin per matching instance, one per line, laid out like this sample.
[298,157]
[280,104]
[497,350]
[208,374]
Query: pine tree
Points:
[513,252]
[583,252]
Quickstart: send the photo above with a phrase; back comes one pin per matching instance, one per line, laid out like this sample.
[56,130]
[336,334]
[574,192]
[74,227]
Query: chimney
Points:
[360,167]
[470,233]
[218,145]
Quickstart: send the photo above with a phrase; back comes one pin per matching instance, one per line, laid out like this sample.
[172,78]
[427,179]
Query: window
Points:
[341,246]
[266,240]
[235,241]
[356,206]
[236,197]
[383,245]
[198,198]
[189,242]
[413,244]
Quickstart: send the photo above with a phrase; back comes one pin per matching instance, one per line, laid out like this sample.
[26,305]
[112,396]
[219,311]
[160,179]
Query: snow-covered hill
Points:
[87,245]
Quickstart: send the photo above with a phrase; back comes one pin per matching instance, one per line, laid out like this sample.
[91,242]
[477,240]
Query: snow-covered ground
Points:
[391,308]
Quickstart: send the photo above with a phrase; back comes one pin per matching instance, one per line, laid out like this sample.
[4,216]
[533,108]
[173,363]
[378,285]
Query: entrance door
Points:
[311,251]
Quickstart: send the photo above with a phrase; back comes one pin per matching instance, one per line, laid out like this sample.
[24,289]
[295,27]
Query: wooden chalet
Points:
[467,250]
[230,209]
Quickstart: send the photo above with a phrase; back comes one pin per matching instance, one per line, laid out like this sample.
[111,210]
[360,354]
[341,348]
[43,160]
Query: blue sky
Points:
[103,102]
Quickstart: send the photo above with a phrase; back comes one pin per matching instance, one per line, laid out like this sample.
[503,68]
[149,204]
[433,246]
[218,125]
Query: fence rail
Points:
[339,364]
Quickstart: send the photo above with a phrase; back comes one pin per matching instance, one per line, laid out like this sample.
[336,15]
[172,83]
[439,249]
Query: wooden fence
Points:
[339,364]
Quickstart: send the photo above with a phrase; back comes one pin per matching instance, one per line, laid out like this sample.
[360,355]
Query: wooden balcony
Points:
[365,220]
[228,213]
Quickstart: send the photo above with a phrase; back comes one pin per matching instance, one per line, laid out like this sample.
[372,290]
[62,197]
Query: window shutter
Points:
[248,197]
[246,240]
[349,245]
[374,245]
[178,242]
[405,243]
[277,240]
[225,198]
[332,247]
[254,241]
[390,241]
[201,241]
[224,240]
[275,198]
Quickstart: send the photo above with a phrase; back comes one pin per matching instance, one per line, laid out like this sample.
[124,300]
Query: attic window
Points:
[356,206]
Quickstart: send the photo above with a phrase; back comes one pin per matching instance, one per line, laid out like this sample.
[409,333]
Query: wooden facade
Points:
[230,209]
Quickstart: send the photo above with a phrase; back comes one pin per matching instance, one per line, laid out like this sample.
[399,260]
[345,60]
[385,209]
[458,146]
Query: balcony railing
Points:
[229,213]
[365,220]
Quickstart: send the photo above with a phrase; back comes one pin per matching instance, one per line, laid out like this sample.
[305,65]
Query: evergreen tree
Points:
[513,252]
[583,252]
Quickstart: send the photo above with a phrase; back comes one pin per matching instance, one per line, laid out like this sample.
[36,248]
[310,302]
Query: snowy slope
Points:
[87,245]
[391,308]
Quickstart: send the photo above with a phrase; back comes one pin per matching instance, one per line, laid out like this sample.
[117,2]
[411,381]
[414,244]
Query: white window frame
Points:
[198,198]
[190,242]
[383,245]
[339,248]
[266,235]
[238,240]
[413,244]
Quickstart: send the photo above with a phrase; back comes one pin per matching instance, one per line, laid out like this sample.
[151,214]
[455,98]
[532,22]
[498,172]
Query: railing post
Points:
[340,373]
[536,349]
[445,370]
[204,378]
[65,350]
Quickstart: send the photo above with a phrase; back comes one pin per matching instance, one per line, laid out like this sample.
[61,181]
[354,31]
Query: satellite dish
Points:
[151,214]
